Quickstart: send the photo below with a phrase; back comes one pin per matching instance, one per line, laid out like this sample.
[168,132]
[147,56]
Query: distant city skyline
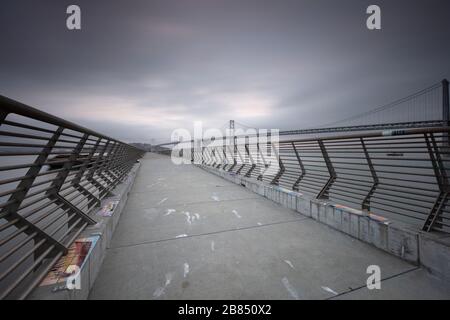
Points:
[139,69]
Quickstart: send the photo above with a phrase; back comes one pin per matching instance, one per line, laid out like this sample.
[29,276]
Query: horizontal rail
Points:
[344,129]
[53,174]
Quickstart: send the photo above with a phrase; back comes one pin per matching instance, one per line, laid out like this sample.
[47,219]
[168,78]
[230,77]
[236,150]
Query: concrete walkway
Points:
[187,234]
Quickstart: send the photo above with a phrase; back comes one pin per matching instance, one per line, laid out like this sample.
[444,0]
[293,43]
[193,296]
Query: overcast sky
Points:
[139,69]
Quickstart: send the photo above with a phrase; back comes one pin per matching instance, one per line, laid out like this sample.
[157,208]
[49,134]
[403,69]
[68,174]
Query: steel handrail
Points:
[398,173]
[49,189]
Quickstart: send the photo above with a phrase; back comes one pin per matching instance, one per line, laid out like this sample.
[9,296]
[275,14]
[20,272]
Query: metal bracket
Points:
[302,168]
[366,201]
[225,160]
[442,180]
[323,193]
[243,162]
[280,163]
[71,207]
[263,162]
[87,193]
[249,172]
[435,211]
[42,234]
[234,159]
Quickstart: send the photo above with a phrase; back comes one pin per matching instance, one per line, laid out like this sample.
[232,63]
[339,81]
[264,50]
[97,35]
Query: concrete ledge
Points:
[403,242]
[102,232]
[434,252]
[304,205]
[430,250]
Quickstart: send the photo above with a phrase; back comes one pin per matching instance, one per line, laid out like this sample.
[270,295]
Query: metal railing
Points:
[53,173]
[400,174]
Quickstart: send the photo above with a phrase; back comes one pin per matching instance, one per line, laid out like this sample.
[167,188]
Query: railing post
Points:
[95,166]
[366,201]
[231,152]
[257,153]
[442,181]
[120,159]
[88,161]
[102,165]
[302,168]
[206,156]
[243,161]
[249,172]
[56,185]
[203,152]
[264,164]
[224,151]
[235,149]
[280,165]
[9,212]
[438,164]
[120,164]
[3,115]
[104,172]
[323,194]
[445,102]
[221,158]
[445,111]
[214,157]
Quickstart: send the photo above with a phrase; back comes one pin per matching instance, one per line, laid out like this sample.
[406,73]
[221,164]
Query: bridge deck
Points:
[187,234]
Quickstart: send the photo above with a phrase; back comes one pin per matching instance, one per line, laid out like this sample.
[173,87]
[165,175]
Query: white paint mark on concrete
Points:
[259,223]
[186,270]
[289,264]
[330,290]
[215,198]
[236,214]
[168,278]
[212,246]
[161,290]
[290,288]
[197,216]
[152,185]
[162,201]
[181,235]
[188,217]
[170,211]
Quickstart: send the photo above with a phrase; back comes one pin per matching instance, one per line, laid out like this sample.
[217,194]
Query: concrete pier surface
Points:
[188,234]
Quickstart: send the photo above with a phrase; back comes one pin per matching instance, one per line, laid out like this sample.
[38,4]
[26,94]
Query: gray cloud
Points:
[139,69]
